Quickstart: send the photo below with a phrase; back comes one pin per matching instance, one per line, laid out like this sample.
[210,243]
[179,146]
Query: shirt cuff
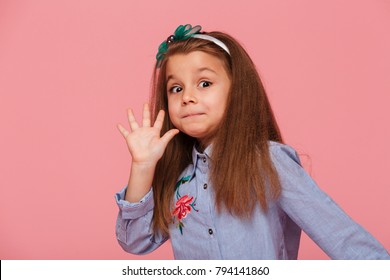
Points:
[134,210]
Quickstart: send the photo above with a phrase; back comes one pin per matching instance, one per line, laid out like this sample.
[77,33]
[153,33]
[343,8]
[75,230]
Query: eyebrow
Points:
[199,71]
[206,69]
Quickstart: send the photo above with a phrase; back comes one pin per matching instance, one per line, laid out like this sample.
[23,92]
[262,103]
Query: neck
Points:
[203,143]
[201,146]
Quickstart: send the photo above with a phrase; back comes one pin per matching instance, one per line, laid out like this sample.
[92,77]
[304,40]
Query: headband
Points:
[183,32]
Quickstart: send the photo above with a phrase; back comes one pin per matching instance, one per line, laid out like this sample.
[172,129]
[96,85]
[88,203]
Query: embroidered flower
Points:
[183,205]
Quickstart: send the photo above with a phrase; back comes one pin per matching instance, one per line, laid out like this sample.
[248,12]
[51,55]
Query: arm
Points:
[146,146]
[140,180]
[318,215]
[133,225]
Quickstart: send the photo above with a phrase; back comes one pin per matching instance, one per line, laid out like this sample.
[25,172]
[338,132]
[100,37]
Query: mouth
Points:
[192,115]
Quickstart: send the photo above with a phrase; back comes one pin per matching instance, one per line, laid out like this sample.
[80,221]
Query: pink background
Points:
[70,69]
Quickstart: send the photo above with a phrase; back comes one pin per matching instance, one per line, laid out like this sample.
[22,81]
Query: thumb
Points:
[168,136]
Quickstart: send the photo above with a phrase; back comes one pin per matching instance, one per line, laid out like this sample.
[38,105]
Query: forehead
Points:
[196,61]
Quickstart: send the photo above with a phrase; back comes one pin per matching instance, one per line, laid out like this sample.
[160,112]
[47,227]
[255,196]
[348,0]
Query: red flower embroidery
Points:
[183,204]
[183,207]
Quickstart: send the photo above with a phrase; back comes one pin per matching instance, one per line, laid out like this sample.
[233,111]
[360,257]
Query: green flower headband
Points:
[183,32]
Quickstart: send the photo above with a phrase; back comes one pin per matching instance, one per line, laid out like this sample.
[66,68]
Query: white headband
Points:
[212,39]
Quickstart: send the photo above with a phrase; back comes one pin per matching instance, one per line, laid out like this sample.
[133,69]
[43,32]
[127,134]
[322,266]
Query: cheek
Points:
[220,112]
[172,112]
[170,108]
[219,106]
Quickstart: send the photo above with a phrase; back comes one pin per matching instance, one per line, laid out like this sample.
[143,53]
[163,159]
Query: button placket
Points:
[202,164]
[203,168]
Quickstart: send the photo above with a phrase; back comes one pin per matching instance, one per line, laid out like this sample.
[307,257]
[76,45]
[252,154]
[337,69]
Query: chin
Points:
[194,133]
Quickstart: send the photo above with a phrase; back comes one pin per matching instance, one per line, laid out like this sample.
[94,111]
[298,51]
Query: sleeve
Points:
[317,214]
[134,225]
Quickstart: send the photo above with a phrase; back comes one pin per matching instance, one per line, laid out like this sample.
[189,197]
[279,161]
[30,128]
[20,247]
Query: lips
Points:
[192,115]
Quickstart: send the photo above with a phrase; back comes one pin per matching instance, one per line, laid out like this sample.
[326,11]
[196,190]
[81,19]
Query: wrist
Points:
[143,166]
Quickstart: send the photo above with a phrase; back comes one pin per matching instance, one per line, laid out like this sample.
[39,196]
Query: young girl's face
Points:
[197,88]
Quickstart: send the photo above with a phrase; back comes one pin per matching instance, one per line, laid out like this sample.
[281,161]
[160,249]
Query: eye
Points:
[205,84]
[175,89]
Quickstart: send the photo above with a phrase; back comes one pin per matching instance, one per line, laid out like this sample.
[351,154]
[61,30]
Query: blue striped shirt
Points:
[199,231]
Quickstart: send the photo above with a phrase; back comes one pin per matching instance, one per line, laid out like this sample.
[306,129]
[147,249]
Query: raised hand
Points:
[145,144]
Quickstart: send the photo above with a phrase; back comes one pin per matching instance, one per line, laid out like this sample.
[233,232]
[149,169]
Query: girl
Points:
[220,183]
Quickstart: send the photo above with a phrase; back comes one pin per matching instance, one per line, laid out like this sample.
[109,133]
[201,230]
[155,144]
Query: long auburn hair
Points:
[242,173]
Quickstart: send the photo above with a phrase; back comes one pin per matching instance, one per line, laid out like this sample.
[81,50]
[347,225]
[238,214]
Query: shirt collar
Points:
[196,156]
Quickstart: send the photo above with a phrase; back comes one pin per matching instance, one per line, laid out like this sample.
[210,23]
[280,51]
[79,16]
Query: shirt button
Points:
[204,159]
[205,186]
[210,231]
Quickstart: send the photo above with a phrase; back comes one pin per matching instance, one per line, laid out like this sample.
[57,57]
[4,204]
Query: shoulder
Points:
[285,160]
[282,153]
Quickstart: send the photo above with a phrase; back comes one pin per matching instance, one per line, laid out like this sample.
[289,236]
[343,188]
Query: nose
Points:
[188,97]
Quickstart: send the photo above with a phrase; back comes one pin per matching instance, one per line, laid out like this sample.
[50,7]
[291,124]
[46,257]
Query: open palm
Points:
[145,144]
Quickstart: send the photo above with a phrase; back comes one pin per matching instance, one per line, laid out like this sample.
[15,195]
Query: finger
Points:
[132,121]
[168,136]
[122,130]
[146,116]
[159,120]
